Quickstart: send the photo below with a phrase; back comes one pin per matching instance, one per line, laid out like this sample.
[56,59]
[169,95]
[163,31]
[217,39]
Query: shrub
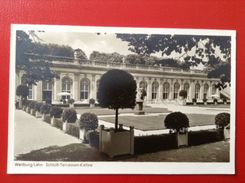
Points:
[176,121]
[32,104]
[222,119]
[22,91]
[56,111]
[183,93]
[88,121]
[91,101]
[69,115]
[37,106]
[45,108]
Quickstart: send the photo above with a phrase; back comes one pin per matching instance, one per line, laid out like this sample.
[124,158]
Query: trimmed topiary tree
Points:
[222,120]
[45,108]
[117,90]
[183,93]
[88,121]
[56,112]
[22,91]
[69,115]
[176,121]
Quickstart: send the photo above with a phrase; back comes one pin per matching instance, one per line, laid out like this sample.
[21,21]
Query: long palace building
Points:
[81,79]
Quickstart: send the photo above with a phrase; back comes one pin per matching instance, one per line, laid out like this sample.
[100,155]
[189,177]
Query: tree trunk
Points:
[116,120]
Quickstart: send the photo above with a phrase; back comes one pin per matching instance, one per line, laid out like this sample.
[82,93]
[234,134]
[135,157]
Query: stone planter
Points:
[182,139]
[227,132]
[72,129]
[58,123]
[116,143]
[38,114]
[83,135]
[29,110]
[54,120]
[33,112]
[46,118]
[65,126]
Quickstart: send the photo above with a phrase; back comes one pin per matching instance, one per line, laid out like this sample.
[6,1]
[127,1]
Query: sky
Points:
[88,42]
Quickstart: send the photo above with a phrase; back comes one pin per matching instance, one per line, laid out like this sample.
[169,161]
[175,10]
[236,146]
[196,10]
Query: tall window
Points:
[205,92]
[30,92]
[47,90]
[186,87]
[197,90]
[213,89]
[97,86]
[166,87]
[66,84]
[155,86]
[176,90]
[84,89]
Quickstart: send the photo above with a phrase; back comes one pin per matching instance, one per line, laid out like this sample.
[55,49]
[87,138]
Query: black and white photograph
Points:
[115,100]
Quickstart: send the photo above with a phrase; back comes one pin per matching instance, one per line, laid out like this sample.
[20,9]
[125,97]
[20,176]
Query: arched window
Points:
[213,89]
[176,90]
[84,89]
[205,92]
[155,86]
[47,90]
[166,87]
[186,87]
[66,84]
[197,90]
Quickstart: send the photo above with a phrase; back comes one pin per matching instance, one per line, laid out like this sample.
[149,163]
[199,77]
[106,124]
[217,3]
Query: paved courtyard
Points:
[38,140]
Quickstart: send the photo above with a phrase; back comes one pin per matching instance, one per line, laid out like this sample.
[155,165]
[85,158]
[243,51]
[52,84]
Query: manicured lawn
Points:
[105,111]
[157,122]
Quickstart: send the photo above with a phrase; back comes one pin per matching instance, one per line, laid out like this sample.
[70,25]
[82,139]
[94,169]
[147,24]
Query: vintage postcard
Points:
[114,100]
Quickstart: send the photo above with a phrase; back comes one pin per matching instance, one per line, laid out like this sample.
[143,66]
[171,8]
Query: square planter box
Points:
[38,114]
[57,122]
[46,118]
[226,134]
[116,143]
[54,120]
[64,127]
[83,135]
[182,139]
[33,112]
[73,129]
[29,110]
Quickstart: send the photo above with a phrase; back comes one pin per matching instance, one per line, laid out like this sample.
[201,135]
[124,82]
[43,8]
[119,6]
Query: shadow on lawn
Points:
[71,152]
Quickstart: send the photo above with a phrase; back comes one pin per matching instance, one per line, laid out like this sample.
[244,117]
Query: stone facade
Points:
[81,80]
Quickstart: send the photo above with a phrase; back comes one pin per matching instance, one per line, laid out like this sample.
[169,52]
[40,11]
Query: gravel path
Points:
[32,134]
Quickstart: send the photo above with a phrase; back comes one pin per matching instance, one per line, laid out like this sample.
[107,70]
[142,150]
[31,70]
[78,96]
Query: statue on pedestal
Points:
[141,93]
